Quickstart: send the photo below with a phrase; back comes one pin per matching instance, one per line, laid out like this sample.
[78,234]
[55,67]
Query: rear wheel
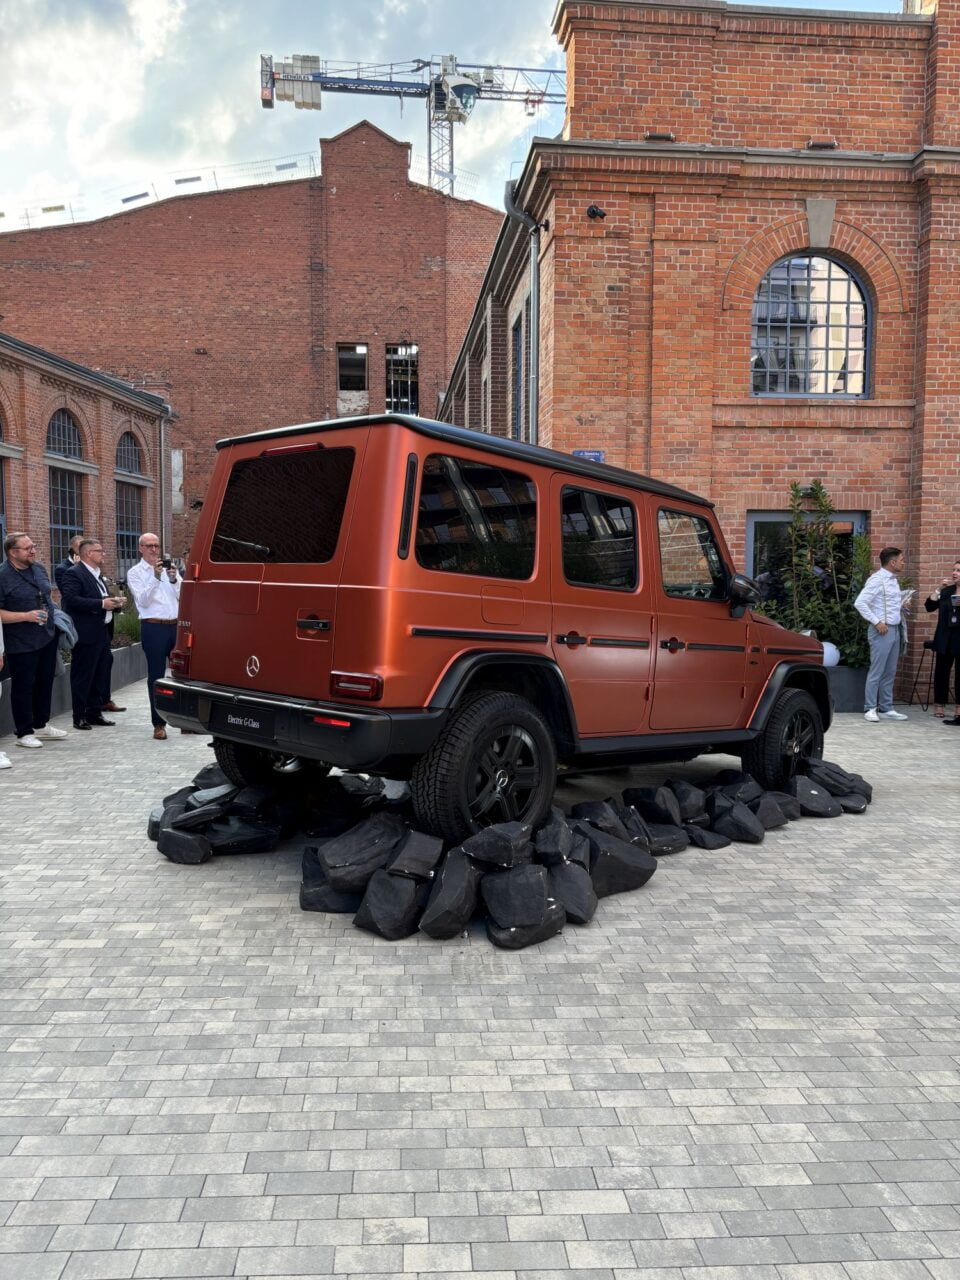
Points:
[794,729]
[494,762]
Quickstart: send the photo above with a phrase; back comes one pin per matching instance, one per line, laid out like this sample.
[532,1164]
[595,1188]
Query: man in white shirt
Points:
[155,587]
[881,602]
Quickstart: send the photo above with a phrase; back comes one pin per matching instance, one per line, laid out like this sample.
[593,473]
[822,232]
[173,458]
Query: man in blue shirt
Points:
[26,611]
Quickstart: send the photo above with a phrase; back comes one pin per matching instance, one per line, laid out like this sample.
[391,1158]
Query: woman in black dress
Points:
[945,601]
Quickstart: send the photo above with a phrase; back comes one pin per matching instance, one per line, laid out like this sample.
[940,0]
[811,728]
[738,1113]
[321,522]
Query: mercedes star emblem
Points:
[253,665]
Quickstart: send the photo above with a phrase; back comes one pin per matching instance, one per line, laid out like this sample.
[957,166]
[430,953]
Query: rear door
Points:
[266,615]
[601,627]
[700,660]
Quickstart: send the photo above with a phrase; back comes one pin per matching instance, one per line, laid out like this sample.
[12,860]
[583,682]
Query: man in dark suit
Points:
[85,598]
[65,565]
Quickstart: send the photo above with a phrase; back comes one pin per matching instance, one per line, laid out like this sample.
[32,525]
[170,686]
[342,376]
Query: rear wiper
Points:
[238,542]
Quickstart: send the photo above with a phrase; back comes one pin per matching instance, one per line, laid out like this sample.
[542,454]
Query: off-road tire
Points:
[454,785]
[794,729]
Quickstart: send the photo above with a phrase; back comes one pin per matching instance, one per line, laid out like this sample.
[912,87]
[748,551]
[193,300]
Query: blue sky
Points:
[103,97]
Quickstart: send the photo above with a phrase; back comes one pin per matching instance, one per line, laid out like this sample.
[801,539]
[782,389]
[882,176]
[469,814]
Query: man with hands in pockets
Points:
[155,586]
[881,602]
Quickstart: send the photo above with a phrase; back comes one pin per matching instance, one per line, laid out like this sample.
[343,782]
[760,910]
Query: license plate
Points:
[245,722]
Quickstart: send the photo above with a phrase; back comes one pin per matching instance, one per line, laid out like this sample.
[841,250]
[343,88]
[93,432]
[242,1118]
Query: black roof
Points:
[532,454]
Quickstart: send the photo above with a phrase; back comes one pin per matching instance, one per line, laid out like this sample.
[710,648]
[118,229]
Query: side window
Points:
[599,538]
[690,562]
[476,518]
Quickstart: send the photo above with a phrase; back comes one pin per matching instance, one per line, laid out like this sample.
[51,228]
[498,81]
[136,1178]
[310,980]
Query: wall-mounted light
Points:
[594,211]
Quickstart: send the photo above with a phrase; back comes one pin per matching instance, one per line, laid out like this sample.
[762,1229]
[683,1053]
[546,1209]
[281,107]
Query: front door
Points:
[700,659]
[601,627]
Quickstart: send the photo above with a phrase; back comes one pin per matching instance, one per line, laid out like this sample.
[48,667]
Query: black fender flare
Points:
[794,675]
[466,672]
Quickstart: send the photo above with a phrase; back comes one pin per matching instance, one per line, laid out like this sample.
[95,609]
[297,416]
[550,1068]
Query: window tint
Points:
[283,510]
[690,562]
[476,518]
[599,535]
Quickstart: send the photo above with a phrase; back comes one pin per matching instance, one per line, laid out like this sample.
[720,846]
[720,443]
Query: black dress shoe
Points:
[82,724]
[99,722]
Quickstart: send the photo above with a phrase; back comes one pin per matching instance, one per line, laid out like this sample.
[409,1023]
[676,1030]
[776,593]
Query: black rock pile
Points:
[372,863]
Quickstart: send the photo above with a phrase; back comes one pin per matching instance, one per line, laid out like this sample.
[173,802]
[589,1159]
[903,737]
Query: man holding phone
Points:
[155,585]
[26,611]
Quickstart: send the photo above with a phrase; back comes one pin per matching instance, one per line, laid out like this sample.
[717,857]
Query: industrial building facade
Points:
[80,452]
[747,249]
[262,306]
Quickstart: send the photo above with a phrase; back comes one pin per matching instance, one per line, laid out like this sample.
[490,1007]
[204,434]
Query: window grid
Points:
[129,526]
[66,512]
[403,388]
[129,456]
[63,435]
[809,330]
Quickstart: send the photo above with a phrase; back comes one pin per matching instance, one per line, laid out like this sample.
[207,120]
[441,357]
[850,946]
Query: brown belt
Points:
[161,622]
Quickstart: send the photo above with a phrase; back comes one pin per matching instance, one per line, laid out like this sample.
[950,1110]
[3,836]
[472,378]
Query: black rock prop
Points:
[618,867]
[211,775]
[788,805]
[666,839]
[505,845]
[212,795]
[418,856]
[853,803]
[814,801]
[638,831]
[704,838]
[744,788]
[553,839]
[516,898]
[453,897]
[153,823]
[189,847]
[829,776]
[514,939]
[197,819]
[235,834]
[602,815]
[769,813]
[316,892]
[391,906]
[570,884]
[733,819]
[655,804]
[691,799]
[352,858]
[179,797]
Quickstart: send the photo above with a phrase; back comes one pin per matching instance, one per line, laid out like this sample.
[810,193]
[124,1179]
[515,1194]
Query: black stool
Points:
[927,649]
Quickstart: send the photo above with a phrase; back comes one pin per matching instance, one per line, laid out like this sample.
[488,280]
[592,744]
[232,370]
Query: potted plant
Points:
[813,580]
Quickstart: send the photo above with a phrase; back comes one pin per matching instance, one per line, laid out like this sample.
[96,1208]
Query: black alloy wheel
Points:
[504,775]
[794,729]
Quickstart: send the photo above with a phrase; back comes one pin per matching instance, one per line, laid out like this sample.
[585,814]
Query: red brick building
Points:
[262,306]
[80,452]
[748,242]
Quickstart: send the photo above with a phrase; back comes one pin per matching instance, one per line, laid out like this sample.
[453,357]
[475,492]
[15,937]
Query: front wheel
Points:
[794,729]
[494,762]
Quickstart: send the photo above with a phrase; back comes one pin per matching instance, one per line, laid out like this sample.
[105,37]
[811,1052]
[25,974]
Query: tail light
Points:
[354,684]
[180,662]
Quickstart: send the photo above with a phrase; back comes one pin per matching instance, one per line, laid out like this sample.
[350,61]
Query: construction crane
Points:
[451,92]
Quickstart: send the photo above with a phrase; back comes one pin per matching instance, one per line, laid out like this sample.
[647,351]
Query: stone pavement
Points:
[747,1070]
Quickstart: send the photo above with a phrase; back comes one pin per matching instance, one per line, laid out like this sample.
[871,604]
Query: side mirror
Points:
[743,592]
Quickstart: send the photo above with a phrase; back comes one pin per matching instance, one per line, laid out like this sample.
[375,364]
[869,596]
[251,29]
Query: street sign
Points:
[592,455]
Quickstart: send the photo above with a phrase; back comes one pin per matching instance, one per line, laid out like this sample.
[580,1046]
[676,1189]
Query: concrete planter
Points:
[129,665]
[847,686]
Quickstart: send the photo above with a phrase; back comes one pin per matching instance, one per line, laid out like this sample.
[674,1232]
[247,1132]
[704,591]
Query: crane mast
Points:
[450,89]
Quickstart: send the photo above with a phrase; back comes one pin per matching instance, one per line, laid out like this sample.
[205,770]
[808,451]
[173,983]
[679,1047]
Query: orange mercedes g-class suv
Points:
[407,598]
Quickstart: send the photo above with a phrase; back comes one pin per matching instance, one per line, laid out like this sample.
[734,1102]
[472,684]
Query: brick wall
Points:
[232,303]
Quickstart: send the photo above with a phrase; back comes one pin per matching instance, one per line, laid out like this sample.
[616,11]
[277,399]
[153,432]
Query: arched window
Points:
[66,488]
[129,457]
[810,330]
[63,435]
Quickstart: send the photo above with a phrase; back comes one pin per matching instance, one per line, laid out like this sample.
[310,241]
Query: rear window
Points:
[476,518]
[284,509]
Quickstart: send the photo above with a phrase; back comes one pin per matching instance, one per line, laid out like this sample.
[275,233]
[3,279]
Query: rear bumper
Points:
[345,737]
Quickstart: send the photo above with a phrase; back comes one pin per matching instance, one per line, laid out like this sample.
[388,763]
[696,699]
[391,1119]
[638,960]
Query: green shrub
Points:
[126,626]
[821,578]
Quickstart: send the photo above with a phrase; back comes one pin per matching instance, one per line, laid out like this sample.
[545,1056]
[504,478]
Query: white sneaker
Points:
[29,740]
[893,715]
[872,715]
[5,761]
[50,734]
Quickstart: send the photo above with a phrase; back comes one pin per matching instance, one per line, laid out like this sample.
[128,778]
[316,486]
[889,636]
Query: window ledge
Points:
[807,402]
[71,464]
[8,450]
[133,477]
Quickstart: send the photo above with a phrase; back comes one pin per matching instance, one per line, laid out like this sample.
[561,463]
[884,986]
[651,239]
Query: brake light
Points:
[163,693]
[333,724]
[352,684]
[180,662]
[291,448]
